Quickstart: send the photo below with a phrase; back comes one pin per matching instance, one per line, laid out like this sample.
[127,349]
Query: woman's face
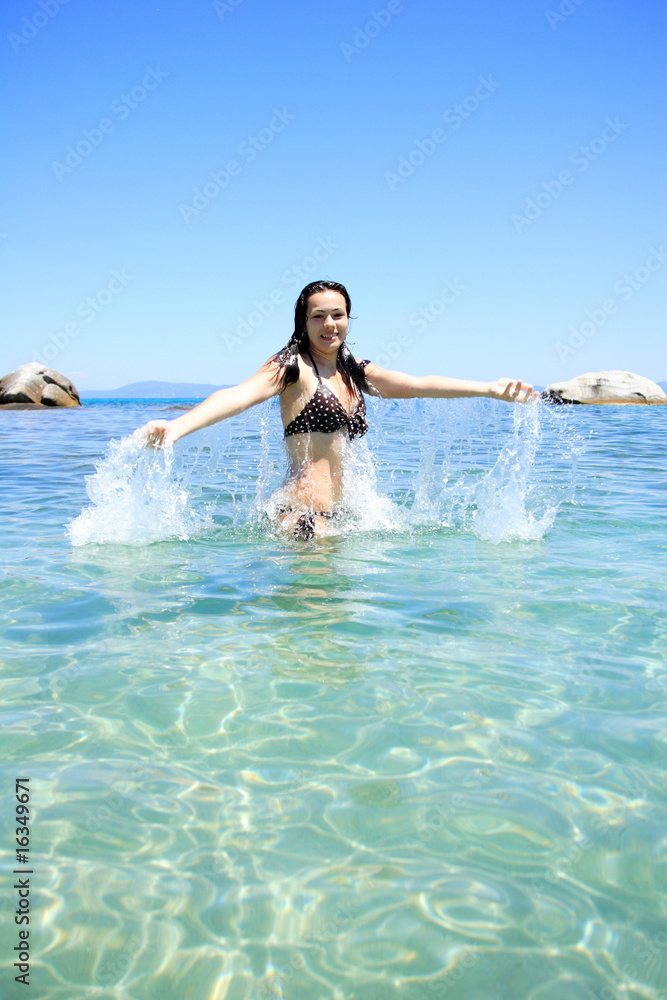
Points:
[326,321]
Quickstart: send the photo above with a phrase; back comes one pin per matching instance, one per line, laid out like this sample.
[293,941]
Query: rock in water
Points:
[55,395]
[33,383]
[605,387]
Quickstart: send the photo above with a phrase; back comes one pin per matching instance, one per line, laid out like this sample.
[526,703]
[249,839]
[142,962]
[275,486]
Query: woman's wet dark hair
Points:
[288,358]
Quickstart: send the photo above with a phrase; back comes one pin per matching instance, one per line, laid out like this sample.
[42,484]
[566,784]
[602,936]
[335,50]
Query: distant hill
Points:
[180,390]
[154,390]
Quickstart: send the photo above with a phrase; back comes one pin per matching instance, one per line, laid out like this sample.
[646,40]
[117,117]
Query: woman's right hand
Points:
[158,433]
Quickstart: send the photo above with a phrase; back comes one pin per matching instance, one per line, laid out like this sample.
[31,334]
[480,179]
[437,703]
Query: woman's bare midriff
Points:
[315,476]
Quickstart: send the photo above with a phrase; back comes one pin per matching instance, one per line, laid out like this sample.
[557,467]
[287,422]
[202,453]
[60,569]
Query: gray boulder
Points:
[33,383]
[605,387]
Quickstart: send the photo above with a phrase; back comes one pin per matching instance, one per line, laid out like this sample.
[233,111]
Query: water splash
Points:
[511,504]
[499,472]
[369,508]
[137,497]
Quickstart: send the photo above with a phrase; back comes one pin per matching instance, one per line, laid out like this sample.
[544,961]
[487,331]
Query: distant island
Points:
[154,390]
[160,390]
[177,390]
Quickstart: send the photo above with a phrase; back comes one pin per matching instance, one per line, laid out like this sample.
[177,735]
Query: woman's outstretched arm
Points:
[398,385]
[219,405]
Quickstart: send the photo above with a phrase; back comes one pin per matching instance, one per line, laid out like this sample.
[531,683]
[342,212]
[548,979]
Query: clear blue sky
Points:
[318,114]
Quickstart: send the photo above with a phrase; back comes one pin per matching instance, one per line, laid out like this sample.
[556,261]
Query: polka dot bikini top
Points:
[325,413]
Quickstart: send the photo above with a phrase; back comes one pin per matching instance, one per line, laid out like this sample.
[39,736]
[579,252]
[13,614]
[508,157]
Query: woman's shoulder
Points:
[367,387]
[293,373]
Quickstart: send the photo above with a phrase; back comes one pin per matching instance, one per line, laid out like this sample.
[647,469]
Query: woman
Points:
[321,388]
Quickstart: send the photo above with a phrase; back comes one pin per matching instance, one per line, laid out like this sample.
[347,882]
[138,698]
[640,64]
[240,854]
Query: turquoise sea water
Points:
[422,757]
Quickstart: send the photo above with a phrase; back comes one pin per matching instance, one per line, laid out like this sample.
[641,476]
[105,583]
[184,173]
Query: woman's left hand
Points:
[512,390]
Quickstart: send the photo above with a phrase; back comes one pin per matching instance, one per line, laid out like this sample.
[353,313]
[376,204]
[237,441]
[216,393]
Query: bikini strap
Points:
[312,360]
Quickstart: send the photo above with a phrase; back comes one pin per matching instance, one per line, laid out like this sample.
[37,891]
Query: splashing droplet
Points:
[136,499]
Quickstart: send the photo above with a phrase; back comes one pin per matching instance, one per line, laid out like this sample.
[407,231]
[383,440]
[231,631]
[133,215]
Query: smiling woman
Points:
[321,386]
